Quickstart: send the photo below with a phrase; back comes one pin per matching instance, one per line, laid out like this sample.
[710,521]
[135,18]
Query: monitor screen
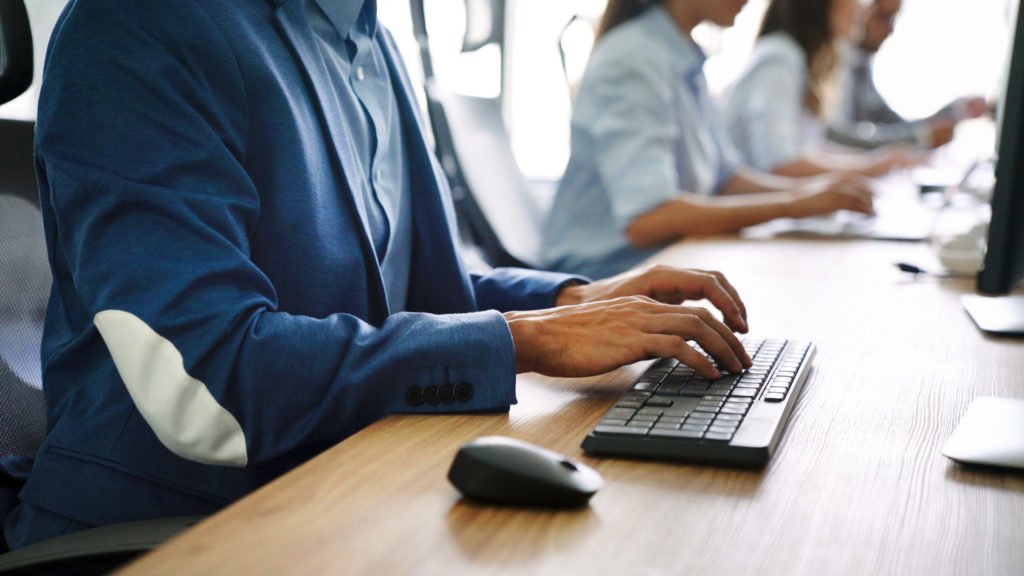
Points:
[1004,260]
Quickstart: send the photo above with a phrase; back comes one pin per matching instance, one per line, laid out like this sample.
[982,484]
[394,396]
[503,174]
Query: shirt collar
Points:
[344,13]
[690,56]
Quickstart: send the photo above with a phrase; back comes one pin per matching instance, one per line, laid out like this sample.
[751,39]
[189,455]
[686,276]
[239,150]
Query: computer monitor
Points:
[1004,259]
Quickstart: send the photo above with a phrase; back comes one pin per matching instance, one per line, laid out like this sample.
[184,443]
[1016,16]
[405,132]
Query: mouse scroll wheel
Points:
[569,465]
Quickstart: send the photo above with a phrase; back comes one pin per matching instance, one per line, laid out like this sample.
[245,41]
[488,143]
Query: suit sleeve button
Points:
[446,393]
[414,395]
[463,391]
[430,395]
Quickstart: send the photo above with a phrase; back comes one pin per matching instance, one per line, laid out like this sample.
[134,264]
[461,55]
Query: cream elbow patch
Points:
[182,412]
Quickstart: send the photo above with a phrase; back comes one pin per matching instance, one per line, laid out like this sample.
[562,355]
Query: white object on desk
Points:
[964,253]
[1002,315]
[991,433]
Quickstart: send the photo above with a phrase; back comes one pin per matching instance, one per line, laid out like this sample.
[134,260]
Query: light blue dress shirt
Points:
[344,31]
[644,129]
[764,111]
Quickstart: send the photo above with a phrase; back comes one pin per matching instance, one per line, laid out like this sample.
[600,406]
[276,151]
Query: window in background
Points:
[537,103]
[943,49]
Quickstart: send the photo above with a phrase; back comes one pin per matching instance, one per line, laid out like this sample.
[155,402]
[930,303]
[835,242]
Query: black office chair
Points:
[24,285]
[15,50]
[493,201]
[24,275]
[24,288]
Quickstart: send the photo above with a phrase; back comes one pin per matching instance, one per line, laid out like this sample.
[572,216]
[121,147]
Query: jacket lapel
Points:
[292,24]
[439,282]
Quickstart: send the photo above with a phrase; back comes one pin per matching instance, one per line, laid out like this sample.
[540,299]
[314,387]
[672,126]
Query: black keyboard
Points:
[672,413]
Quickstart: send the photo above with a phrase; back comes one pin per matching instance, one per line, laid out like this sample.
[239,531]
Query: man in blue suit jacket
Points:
[254,256]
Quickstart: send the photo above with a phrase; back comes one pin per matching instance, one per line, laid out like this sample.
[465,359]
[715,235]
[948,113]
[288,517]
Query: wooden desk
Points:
[858,486]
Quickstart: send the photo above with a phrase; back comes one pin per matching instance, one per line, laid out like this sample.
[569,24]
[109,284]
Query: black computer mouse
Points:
[509,471]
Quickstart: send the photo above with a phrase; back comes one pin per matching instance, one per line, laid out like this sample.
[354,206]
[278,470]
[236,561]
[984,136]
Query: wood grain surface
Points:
[858,486]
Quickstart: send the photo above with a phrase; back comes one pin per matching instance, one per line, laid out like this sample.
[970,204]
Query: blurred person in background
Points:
[650,160]
[776,112]
[864,119]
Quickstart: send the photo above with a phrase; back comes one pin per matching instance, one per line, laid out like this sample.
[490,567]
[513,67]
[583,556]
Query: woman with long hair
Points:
[650,160]
[775,113]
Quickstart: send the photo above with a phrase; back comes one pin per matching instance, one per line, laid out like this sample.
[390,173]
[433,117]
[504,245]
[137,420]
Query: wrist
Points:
[571,294]
[789,208]
[520,327]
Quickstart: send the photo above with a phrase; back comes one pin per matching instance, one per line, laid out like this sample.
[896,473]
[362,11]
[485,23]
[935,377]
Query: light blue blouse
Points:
[345,31]
[644,128]
[764,111]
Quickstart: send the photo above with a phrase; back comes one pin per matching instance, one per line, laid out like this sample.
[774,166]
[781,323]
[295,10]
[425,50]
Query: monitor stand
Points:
[1001,315]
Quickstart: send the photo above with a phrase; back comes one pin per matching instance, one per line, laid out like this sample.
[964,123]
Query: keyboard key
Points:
[669,389]
[699,416]
[726,380]
[774,397]
[651,411]
[639,424]
[706,409]
[636,405]
[666,426]
[743,393]
[644,418]
[620,431]
[735,400]
[659,403]
[734,410]
[718,436]
[778,389]
[699,426]
[674,378]
[645,386]
[722,429]
[728,418]
[690,434]
[612,422]
[620,413]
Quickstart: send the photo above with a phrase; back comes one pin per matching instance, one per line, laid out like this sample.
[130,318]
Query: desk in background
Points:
[858,486]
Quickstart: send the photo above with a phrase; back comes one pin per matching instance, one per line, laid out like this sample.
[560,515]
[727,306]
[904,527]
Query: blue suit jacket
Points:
[196,178]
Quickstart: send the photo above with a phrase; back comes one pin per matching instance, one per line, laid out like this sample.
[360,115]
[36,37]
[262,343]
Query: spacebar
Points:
[620,431]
